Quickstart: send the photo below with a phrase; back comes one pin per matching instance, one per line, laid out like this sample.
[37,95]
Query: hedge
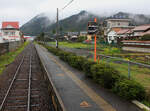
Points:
[129,90]
[87,67]
[103,74]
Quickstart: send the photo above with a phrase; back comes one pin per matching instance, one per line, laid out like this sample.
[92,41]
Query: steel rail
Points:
[10,86]
[29,85]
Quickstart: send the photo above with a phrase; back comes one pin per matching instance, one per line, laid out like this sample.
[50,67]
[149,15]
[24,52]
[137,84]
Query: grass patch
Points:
[139,74]
[107,50]
[9,57]
[73,45]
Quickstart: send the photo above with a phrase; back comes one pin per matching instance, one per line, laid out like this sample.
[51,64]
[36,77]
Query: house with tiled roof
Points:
[134,43]
[112,35]
[140,30]
[115,27]
[10,31]
[124,33]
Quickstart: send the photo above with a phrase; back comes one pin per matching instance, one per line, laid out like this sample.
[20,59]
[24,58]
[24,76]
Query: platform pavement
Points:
[74,89]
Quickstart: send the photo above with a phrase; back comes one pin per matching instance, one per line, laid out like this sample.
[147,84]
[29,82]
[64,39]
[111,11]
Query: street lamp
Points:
[57,29]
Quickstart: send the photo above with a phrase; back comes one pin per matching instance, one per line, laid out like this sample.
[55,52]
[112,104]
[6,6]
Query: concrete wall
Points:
[136,49]
[9,46]
[14,45]
[4,48]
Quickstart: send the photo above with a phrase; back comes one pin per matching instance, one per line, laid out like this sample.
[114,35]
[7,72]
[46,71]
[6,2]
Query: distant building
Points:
[28,38]
[141,30]
[83,33]
[111,23]
[115,27]
[10,31]
[73,34]
[112,35]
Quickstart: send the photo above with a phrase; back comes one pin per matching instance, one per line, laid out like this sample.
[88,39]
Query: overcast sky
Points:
[24,10]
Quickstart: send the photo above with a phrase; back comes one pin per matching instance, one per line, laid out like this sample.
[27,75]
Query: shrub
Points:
[87,67]
[81,39]
[80,62]
[105,75]
[145,37]
[76,61]
[129,90]
[64,56]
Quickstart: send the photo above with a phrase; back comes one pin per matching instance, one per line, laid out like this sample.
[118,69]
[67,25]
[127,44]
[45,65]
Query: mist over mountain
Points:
[37,25]
[77,22]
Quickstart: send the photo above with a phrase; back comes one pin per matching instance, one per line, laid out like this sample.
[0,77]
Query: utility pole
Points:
[57,29]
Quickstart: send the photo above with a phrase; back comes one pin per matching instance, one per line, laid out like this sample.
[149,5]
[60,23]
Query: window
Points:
[5,33]
[12,33]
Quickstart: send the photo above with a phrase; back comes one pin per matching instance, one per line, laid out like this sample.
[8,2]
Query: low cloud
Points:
[24,10]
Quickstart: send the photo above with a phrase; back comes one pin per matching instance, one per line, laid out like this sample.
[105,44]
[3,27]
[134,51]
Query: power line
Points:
[67,4]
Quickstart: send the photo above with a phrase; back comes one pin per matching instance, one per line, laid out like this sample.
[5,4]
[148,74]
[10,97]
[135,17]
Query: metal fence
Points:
[117,60]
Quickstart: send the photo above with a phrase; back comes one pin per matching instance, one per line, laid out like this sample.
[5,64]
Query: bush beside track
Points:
[103,74]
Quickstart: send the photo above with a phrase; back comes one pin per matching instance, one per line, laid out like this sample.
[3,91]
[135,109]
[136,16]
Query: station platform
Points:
[77,92]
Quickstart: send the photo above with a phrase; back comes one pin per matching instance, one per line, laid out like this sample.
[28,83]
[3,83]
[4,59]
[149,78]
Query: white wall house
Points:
[10,31]
[114,26]
[112,36]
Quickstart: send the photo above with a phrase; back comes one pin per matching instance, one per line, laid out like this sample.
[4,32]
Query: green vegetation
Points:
[107,50]
[9,57]
[146,103]
[81,39]
[137,73]
[111,51]
[145,37]
[105,75]
[104,49]
[73,45]
[129,90]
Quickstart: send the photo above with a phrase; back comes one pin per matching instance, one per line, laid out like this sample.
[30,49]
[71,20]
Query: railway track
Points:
[23,93]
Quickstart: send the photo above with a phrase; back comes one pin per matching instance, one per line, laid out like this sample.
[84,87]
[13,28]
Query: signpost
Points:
[92,31]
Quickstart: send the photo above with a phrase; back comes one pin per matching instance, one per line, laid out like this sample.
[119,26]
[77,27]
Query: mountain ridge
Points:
[77,22]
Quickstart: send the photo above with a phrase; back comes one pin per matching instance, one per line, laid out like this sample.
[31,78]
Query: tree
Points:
[145,37]
[40,37]
[53,31]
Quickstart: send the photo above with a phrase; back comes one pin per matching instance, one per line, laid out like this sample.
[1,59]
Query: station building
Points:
[10,32]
